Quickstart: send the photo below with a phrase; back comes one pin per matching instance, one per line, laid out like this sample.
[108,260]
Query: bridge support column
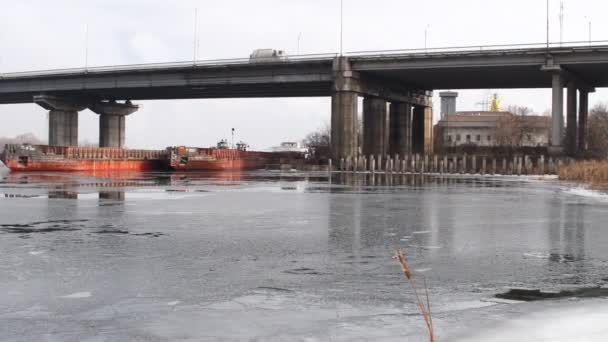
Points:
[400,134]
[572,129]
[374,126]
[112,117]
[422,130]
[583,111]
[557,115]
[344,102]
[63,119]
[63,128]
[344,124]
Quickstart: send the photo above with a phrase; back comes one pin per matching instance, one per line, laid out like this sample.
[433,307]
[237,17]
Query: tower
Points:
[448,103]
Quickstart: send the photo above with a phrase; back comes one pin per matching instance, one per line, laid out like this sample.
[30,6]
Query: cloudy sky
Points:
[36,34]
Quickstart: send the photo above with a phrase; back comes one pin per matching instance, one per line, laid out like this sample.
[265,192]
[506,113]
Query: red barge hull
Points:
[25,158]
[213,159]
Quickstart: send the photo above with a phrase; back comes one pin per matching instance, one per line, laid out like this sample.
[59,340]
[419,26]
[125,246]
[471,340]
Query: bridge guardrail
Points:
[439,51]
[167,65]
[472,49]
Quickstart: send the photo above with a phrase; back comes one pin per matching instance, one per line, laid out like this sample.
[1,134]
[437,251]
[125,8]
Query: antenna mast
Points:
[195,45]
[561,22]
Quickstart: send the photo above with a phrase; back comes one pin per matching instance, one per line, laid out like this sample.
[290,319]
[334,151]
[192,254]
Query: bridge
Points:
[404,79]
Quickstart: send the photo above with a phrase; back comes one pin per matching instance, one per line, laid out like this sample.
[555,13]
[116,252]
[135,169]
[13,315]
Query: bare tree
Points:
[512,131]
[598,130]
[520,110]
[318,142]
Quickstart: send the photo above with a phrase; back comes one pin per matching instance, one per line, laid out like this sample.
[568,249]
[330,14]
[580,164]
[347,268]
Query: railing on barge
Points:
[77,152]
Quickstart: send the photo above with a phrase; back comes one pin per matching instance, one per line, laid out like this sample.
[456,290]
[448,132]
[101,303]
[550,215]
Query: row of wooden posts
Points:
[451,164]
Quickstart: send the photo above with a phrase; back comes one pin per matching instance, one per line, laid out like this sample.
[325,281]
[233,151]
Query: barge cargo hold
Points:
[71,158]
[184,158]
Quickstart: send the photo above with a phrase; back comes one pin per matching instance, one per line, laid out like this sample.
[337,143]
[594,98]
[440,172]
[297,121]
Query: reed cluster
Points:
[592,171]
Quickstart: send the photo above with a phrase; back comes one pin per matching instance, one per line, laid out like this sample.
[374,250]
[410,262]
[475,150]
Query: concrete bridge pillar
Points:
[557,114]
[374,126]
[344,110]
[344,124]
[422,130]
[63,119]
[400,134]
[583,111]
[112,117]
[572,128]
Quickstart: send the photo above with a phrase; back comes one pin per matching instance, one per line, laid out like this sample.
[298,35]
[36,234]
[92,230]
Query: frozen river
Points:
[264,256]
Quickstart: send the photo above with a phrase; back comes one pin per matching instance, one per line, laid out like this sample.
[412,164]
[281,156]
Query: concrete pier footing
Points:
[344,124]
[572,128]
[63,128]
[374,126]
[583,112]
[400,134]
[422,130]
[557,114]
[112,119]
[63,119]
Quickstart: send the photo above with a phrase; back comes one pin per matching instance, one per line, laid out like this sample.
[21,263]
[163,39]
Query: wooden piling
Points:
[473,164]
[541,165]
[372,164]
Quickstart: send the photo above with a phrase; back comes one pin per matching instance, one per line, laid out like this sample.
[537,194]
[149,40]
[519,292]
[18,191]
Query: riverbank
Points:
[593,172]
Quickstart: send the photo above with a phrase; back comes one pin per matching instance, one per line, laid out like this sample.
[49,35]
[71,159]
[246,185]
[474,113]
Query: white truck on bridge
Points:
[267,56]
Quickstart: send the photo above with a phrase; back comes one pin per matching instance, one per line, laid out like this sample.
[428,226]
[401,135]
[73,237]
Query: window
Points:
[529,137]
[489,138]
[449,138]
[468,138]
[457,137]
[478,137]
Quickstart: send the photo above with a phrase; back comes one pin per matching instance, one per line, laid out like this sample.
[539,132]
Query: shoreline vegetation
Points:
[594,172]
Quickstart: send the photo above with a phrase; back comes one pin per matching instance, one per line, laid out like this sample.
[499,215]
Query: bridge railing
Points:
[166,65]
[473,49]
[418,52]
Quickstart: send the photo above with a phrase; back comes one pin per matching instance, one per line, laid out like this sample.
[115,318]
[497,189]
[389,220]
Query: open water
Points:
[285,257]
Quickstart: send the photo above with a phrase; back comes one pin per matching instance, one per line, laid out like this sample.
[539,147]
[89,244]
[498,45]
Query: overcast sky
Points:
[36,34]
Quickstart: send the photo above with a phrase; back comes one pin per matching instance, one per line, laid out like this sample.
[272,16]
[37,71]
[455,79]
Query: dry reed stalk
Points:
[595,172]
[425,309]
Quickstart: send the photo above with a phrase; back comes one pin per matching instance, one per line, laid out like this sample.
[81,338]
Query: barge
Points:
[220,158]
[28,157]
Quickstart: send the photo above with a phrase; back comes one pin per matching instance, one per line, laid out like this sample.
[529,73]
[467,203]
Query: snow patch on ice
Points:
[568,323]
[430,247]
[422,232]
[537,255]
[37,252]
[584,192]
[78,295]
[422,270]
[173,303]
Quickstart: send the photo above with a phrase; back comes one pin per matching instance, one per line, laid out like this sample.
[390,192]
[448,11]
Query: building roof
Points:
[483,119]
